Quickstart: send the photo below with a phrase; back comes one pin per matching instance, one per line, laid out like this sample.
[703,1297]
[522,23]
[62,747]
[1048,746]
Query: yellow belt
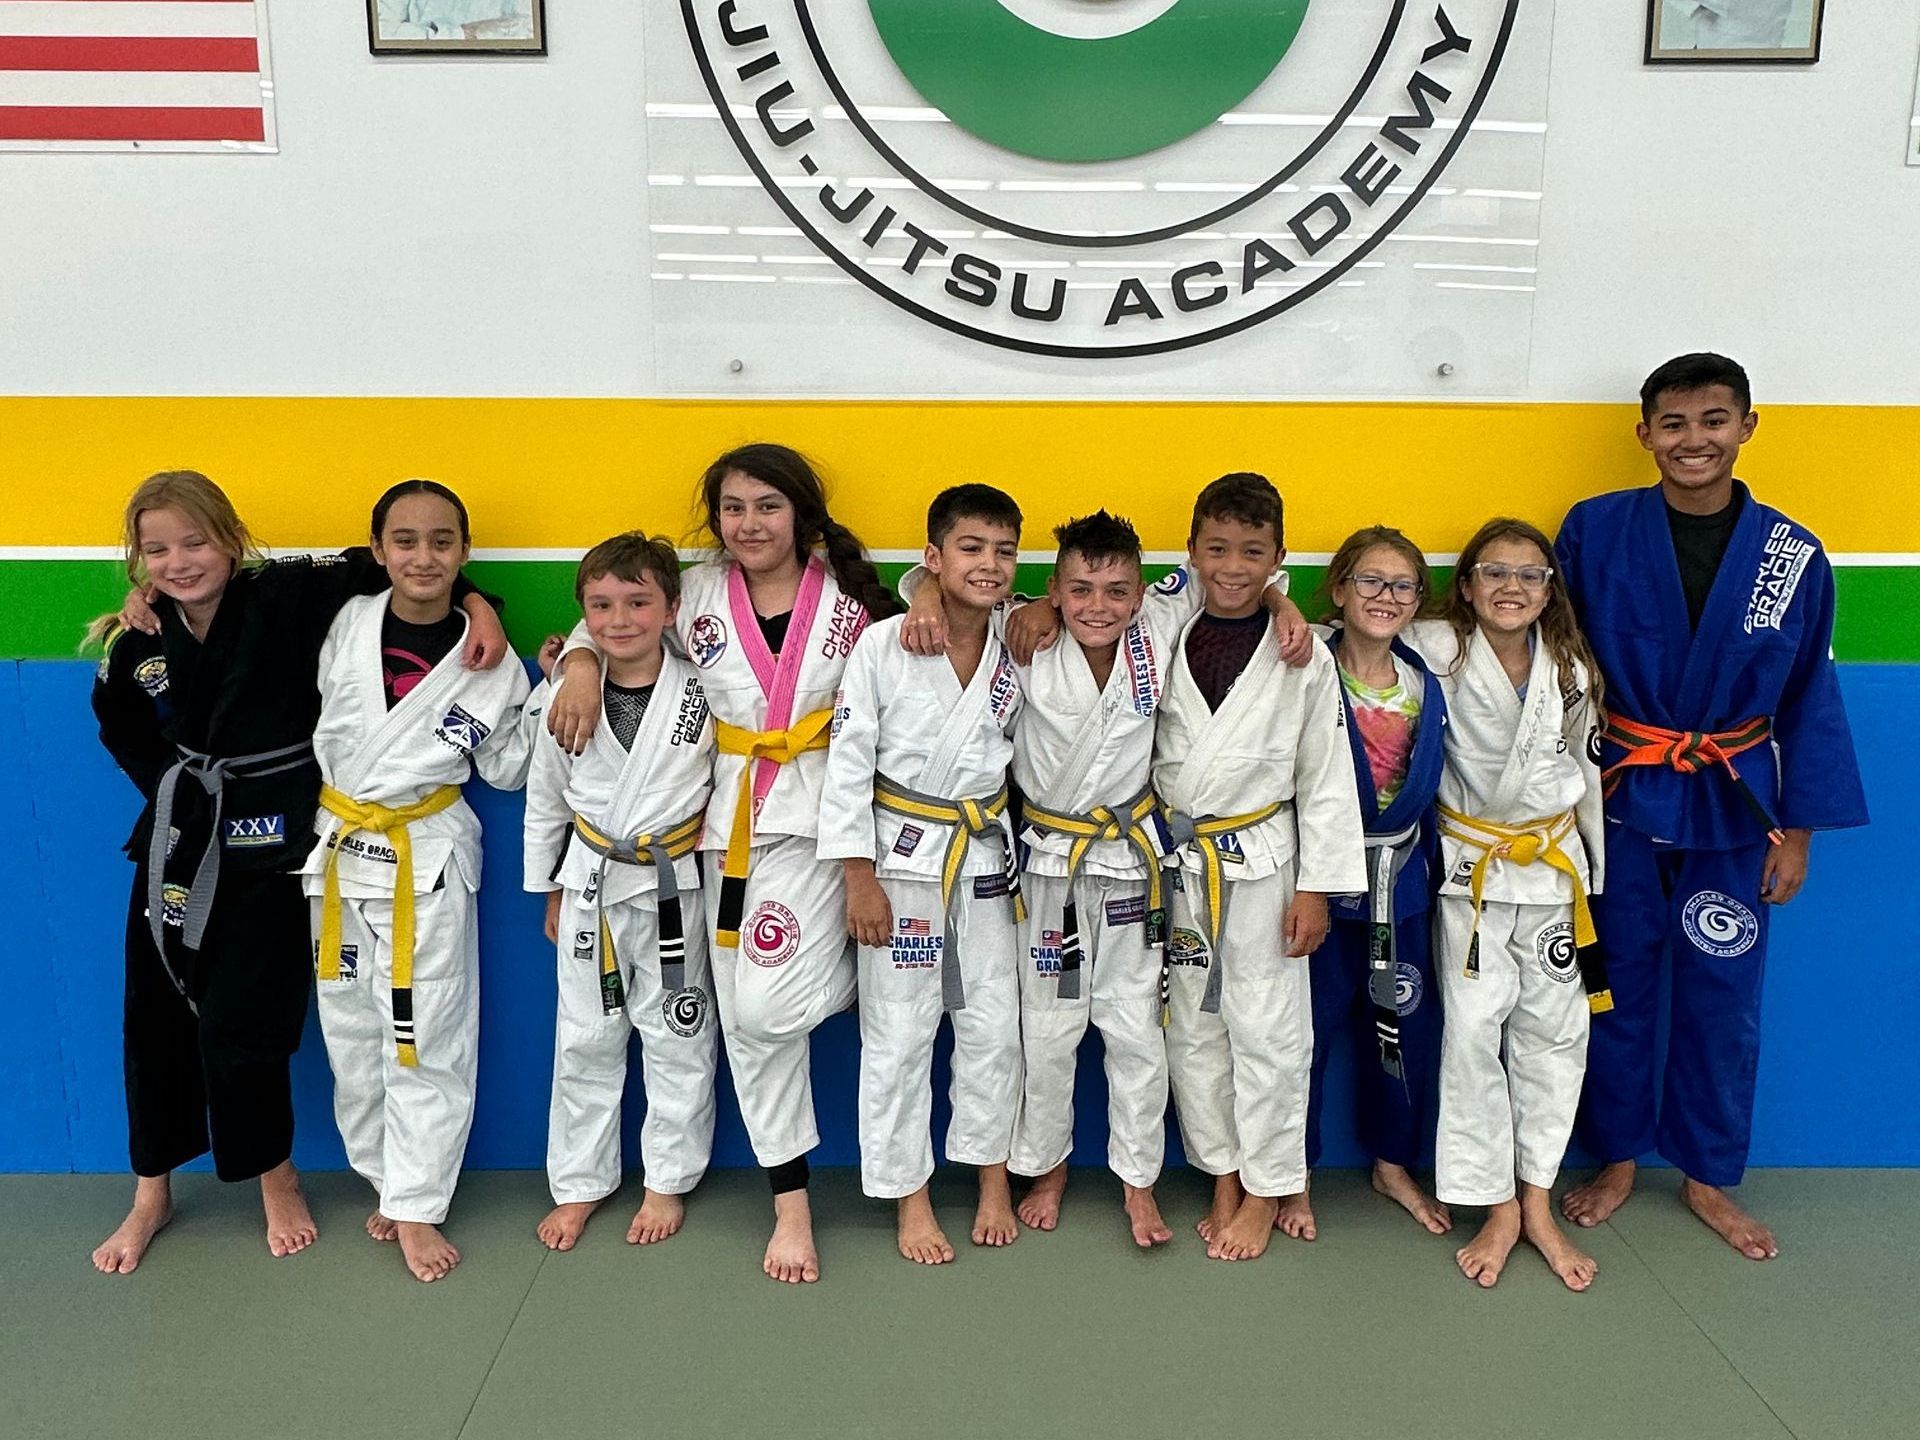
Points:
[969,818]
[781,747]
[659,851]
[1126,822]
[1206,835]
[1532,842]
[356,816]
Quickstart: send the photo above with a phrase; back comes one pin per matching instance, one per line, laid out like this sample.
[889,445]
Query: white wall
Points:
[480,228]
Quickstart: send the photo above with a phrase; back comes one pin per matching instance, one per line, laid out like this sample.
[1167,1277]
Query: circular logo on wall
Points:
[772,934]
[1559,956]
[1719,924]
[1121,179]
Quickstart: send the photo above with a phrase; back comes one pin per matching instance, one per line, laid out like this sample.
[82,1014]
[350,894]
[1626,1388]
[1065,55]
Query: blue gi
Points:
[1397,1030]
[1686,845]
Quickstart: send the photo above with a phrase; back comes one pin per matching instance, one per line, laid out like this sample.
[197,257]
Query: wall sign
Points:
[1733,32]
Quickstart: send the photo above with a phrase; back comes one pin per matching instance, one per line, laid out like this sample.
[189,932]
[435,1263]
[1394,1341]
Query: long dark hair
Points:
[789,472]
[1559,629]
[385,504]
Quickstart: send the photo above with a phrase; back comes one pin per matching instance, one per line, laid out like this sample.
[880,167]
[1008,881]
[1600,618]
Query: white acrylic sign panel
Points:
[1350,207]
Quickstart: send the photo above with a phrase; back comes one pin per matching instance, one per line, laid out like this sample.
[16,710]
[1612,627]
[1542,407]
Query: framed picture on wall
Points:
[1733,32]
[457,27]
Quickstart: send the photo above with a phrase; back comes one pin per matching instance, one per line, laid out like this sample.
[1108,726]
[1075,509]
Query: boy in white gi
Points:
[915,806]
[610,841]
[1252,763]
[394,879]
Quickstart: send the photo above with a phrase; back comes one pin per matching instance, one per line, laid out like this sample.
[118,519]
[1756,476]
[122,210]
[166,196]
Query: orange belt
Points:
[1689,752]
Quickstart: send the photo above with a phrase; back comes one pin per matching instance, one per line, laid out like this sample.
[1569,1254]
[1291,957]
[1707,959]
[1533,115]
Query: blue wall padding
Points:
[1836,1079]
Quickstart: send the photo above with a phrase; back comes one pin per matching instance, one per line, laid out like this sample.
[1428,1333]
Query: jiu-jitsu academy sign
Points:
[1130,177]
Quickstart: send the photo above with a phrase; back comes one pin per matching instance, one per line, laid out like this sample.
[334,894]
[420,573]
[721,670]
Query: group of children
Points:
[757,793]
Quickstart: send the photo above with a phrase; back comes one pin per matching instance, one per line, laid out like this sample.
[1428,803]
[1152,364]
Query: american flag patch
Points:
[910,926]
[135,75]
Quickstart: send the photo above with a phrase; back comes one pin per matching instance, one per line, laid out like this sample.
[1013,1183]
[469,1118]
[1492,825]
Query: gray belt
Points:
[212,773]
[1386,856]
[659,850]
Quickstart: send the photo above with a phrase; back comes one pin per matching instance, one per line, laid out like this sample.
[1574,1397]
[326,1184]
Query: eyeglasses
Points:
[1531,577]
[1371,587]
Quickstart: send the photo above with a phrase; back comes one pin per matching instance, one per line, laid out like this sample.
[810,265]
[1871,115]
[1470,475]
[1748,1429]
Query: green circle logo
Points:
[1077,99]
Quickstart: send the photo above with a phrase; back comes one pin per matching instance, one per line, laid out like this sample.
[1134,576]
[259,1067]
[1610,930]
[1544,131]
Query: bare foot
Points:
[993,1222]
[1040,1210]
[1143,1217]
[791,1257]
[921,1238]
[1482,1258]
[1575,1267]
[1227,1196]
[1294,1217]
[1397,1185]
[1729,1221]
[290,1227]
[564,1225]
[1593,1203]
[381,1228]
[427,1252]
[658,1217]
[1245,1236]
[120,1252]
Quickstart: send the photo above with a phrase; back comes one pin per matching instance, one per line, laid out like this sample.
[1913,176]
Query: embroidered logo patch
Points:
[1171,583]
[254,832]
[583,944]
[915,946]
[151,674]
[1408,988]
[849,618]
[1187,947]
[1140,670]
[1130,910]
[349,963]
[1004,693]
[1046,955]
[173,905]
[909,840]
[1782,562]
[463,731]
[772,935]
[1559,959]
[685,1011]
[992,887]
[692,718]
[1230,850]
[1719,925]
[706,640]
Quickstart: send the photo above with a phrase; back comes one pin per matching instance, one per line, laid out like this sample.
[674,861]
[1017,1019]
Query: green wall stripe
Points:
[45,604]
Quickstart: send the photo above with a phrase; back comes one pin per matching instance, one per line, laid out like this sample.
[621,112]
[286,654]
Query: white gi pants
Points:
[679,1051]
[900,1009]
[1120,993]
[1240,1077]
[405,1126]
[793,969]
[1498,1120]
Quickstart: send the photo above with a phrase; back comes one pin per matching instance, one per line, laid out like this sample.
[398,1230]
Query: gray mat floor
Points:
[1368,1332]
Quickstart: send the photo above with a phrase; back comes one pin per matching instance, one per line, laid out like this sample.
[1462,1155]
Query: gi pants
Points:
[1119,993]
[900,1010]
[1499,1120]
[791,972]
[1396,1116]
[679,1051]
[1240,1077]
[405,1126]
[1703,909]
[217,1080]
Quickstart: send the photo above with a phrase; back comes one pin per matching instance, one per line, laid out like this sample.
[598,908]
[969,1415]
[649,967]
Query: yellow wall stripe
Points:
[542,472]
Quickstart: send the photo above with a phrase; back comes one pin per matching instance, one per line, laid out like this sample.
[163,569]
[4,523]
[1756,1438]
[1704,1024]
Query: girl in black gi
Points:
[211,716]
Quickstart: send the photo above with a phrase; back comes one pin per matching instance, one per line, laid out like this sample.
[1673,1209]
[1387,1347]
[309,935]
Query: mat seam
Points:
[500,1349]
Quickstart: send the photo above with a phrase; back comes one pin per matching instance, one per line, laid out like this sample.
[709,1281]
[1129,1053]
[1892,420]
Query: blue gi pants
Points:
[1396,1116]
[1702,907]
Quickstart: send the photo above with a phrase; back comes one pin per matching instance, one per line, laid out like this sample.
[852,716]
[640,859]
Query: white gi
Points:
[793,965]
[906,718]
[651,790]
[404,1123]
[1510,761]
[1240,1034]
[1078,746]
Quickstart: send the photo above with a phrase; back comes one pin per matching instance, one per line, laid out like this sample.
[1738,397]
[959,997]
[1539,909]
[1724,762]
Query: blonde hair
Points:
[204,504]
[1559,629]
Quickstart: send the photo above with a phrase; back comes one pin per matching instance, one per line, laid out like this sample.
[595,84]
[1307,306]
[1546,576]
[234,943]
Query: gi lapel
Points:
[779,679]
[1707,646]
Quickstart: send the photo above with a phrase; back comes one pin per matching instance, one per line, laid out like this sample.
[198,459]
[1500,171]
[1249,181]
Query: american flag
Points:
[135,75]
[910,926]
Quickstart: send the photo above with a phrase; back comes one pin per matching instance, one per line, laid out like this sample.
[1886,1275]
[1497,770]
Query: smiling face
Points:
[1384,615]
[422,548]
[974,563]
[1695,438]
[627,618]
[756,524]
[181,559]
[1504,607]
[1233,561]
[1097,603]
